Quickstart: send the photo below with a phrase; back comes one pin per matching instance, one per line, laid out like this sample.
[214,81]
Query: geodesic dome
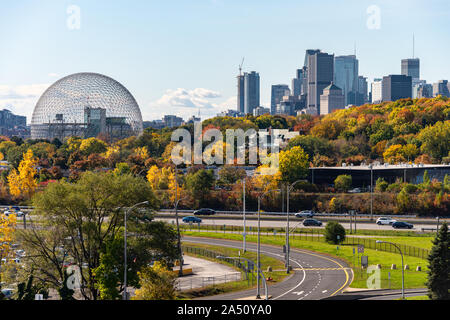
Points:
[73,104]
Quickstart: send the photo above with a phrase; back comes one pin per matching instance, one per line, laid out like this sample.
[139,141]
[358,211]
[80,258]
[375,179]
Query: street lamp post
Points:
[371,191]
[243,211]
[289,189]
[258,296]
[403,267]
[125,292]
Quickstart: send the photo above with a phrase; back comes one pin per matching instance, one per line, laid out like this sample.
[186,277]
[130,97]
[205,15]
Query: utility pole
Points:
[243,211]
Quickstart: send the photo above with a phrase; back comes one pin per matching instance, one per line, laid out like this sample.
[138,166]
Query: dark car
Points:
[204,212]
[192,219]
[402,225]
[312,223]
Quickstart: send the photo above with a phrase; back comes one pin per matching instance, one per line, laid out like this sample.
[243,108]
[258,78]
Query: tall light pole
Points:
[177,201]
[371,192]
[258,296]
[243,211]
[403,267]
[289,189]
[125,291]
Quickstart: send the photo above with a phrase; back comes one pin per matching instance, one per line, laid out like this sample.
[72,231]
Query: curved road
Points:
[315,276]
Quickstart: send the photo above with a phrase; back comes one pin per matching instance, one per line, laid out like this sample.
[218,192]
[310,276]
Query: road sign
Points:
[39,297]
[364,261]
[360,248]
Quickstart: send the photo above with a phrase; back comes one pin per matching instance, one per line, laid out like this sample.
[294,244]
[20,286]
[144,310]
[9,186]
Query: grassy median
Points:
[413,278]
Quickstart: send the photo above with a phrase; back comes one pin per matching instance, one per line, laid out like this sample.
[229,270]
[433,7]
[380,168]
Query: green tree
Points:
[436,139]
[343,183]
[334,233]
[84,216]
[381,185]
[439,266]
[200,183]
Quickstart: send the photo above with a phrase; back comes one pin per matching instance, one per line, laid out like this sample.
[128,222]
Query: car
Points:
[312,223]
[305,214]
[192,220]
[7,213]
[19,214]
[385,221]
[8,293]
[356,190]
[402,225]
[204,212]
[15,208]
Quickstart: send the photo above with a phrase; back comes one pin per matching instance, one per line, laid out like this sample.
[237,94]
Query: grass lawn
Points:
[266,261]
[418,298]
[413,279]
[419,242]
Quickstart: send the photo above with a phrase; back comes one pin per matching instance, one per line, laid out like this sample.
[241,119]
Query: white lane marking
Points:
[298,293]
[324,291]
[282,295]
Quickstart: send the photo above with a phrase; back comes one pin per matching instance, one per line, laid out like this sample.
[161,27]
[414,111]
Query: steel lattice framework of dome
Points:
[86,105]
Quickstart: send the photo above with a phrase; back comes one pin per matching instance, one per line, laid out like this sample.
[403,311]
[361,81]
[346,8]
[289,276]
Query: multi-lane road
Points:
[315,276]
[294,223]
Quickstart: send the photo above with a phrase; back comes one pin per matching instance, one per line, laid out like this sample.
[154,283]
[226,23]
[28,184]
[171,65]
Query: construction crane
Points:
[240,66]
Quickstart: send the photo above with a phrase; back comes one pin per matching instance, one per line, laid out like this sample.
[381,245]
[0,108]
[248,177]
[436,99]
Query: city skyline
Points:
[39,53]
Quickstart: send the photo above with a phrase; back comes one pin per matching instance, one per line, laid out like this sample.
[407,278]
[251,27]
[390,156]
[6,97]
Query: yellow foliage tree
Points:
[142,152]
[7,230]
[393,154]
[22,182]
[157,283]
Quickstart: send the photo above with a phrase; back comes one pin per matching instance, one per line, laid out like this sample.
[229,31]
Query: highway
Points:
[315,276]
[294,222]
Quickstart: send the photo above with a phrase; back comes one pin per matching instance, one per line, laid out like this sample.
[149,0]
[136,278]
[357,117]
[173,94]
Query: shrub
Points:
[333,231]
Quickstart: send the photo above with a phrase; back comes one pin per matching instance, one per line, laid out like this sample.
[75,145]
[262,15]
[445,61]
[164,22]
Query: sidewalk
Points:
[206,273]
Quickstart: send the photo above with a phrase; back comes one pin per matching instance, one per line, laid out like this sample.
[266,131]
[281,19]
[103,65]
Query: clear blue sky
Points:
[179,56]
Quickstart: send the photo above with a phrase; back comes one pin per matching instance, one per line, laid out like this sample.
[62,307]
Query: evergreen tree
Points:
[439,267]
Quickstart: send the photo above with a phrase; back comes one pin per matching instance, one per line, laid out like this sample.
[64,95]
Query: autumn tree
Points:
[156,283]
[294,164]
[7,232]
[22,182]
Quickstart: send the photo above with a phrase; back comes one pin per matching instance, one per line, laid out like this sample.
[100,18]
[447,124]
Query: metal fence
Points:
[202,282]
[311,235]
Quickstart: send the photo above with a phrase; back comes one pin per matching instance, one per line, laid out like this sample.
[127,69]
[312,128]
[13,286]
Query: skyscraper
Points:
[251,91]
[332,99]
[346,76]
[309,53]
[297,83]
[278,92]
[442,87]
[320,76]
[411,67]
[241,94]
[377,90]
[396,87]
[362,96]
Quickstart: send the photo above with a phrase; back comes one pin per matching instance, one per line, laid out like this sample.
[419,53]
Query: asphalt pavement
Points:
[315,276]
